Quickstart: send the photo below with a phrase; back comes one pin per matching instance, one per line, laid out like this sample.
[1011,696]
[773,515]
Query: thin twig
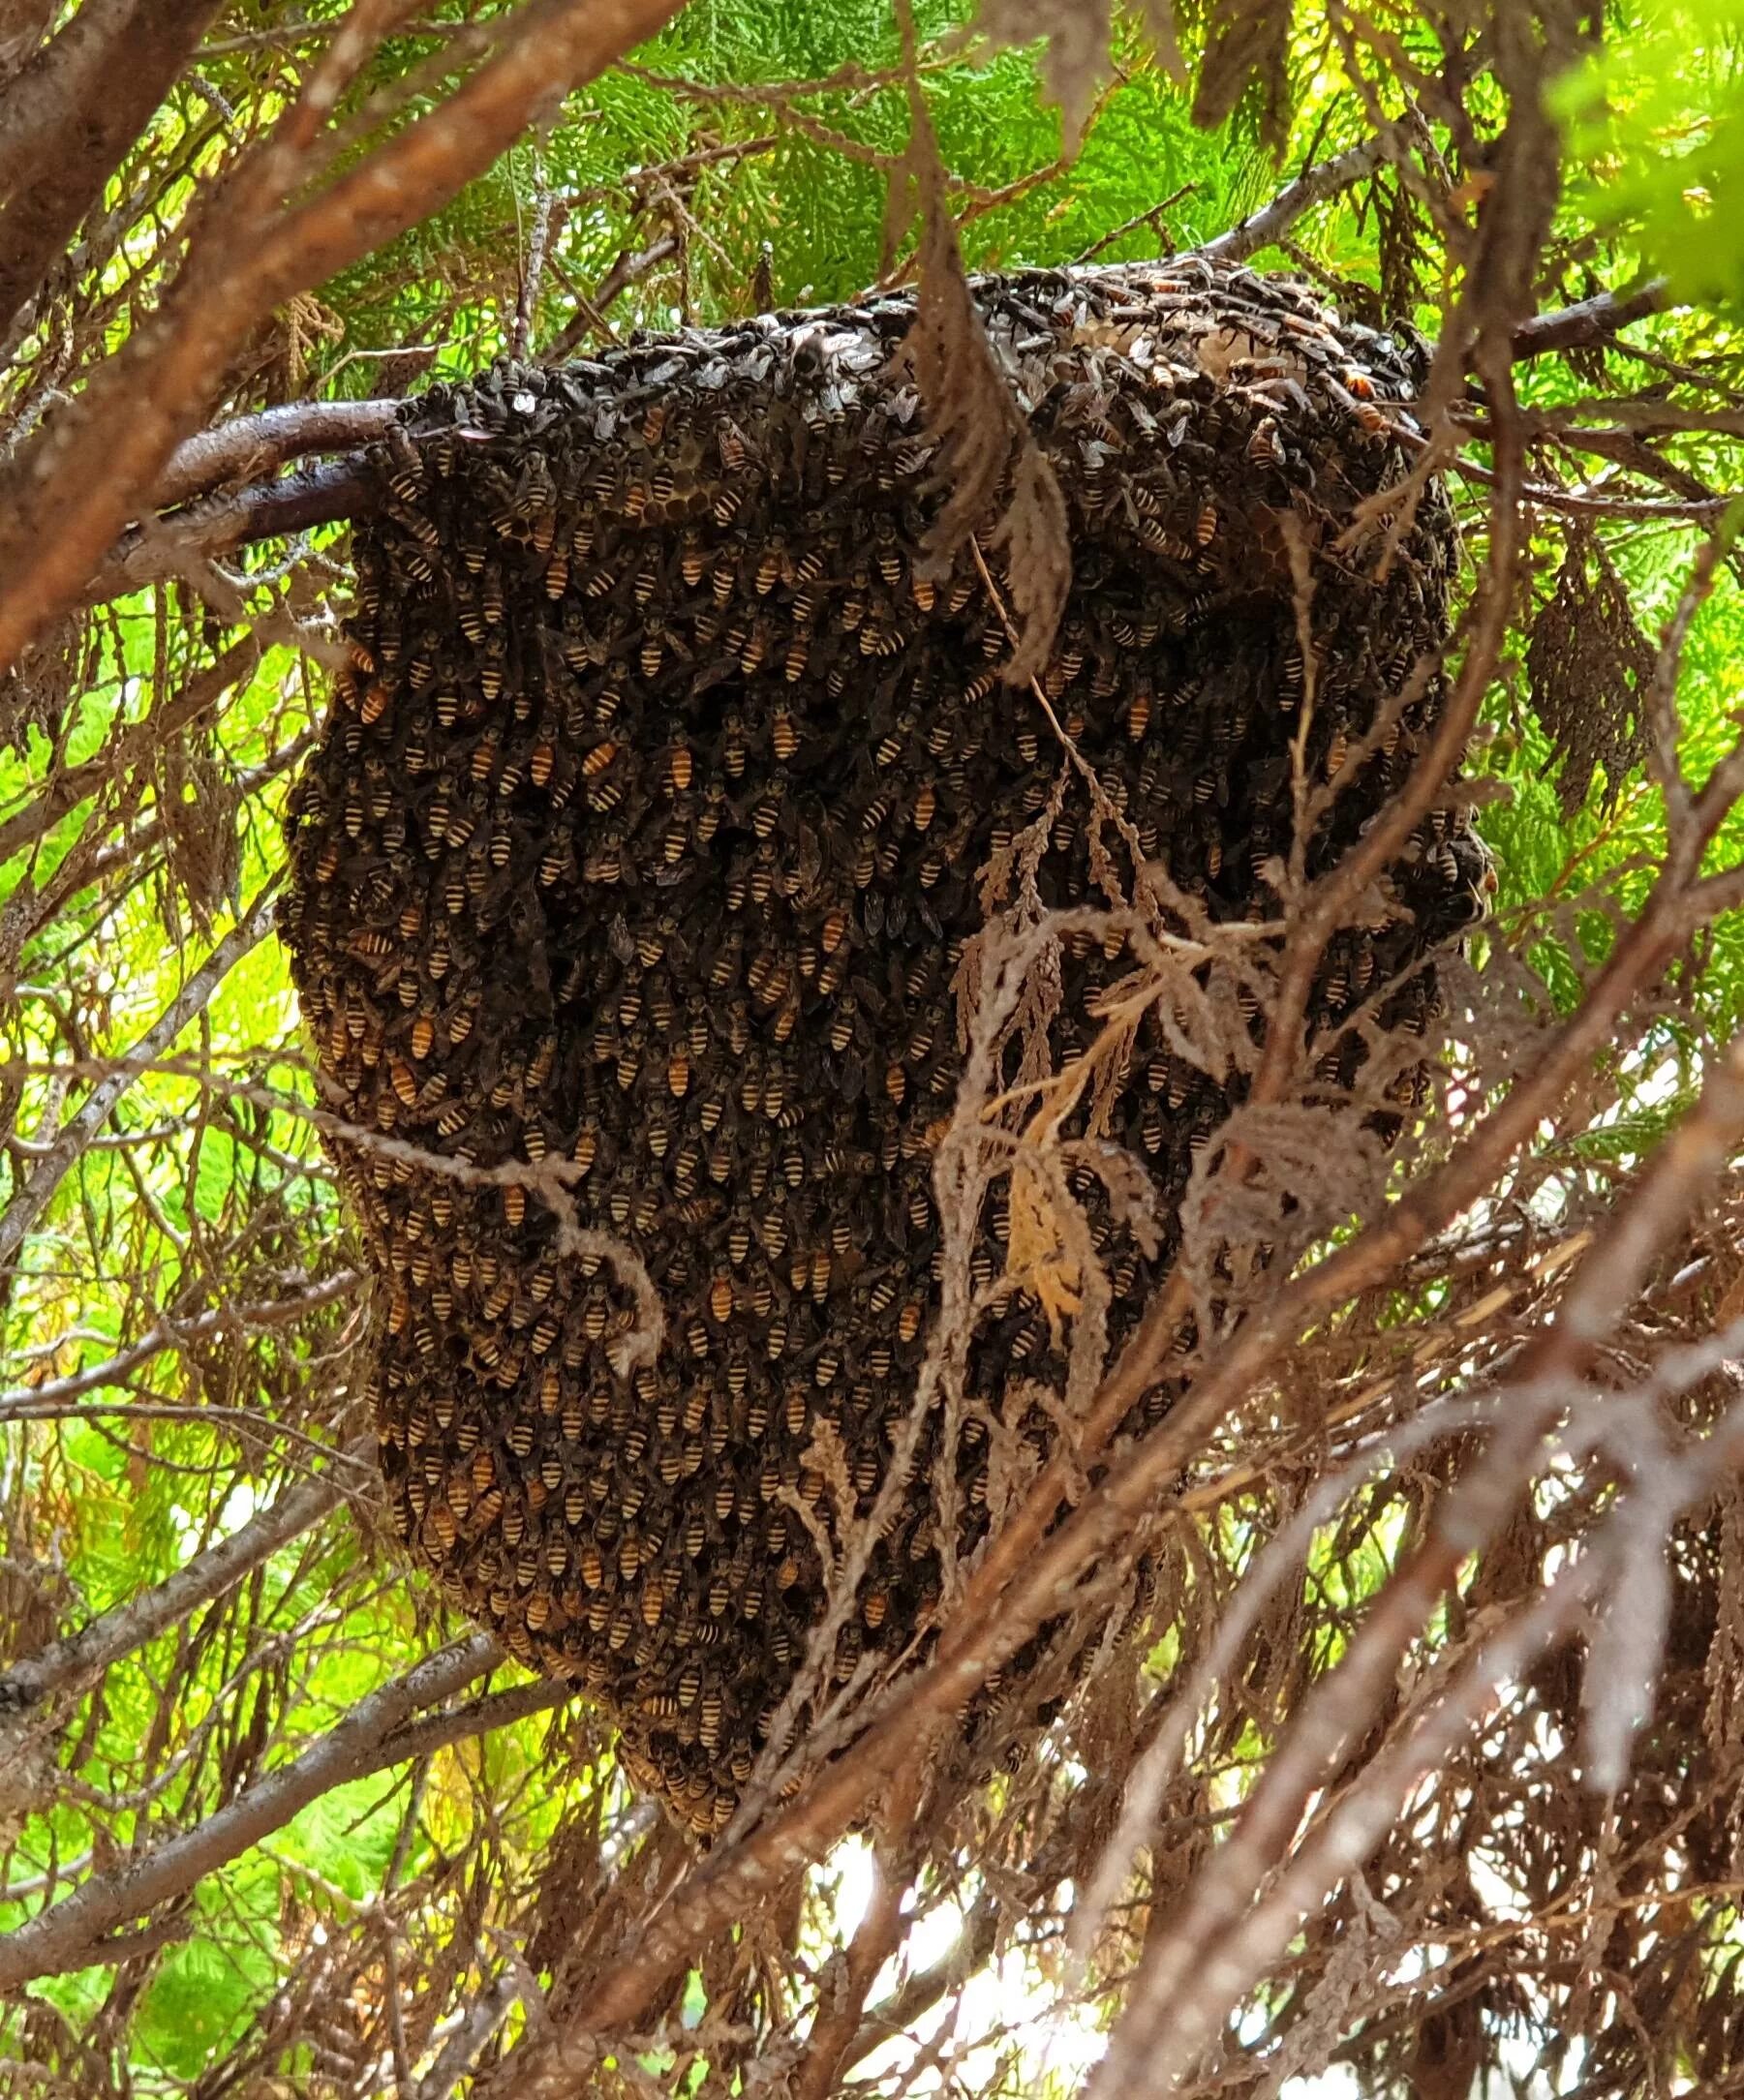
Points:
[73,1934]
[71,1665]
[32,1199]
[1314,185]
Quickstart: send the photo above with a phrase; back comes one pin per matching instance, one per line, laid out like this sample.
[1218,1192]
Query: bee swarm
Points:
[643,834]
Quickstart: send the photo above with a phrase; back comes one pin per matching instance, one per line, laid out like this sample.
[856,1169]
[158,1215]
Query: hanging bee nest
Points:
[644,838]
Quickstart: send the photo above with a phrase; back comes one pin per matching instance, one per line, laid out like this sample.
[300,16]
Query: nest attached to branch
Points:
[643,848]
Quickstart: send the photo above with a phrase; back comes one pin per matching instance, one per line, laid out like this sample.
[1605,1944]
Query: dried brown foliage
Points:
[972,412]
[1591,667]
[1247,52]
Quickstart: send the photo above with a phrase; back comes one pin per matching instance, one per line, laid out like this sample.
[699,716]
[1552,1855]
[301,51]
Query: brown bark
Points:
[217,524]
[1590,320]
[73,1665]
[70,116]
[90,469]
[24,24]
[75,1933]
[250,445]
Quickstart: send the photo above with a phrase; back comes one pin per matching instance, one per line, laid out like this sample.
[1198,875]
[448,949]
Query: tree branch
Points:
[1591,321]
[68,118]
[69,1665]
[32,1199]
[1314,185]
[71,1934]
[163,548]
[71,114]
[251,445]
[67,496]
[24,24]
[848,1976]
[486,2014]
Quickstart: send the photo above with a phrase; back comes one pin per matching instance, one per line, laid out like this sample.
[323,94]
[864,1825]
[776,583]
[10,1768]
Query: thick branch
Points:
[69,1935]
[67,497]
[486,2014]
[68,1666]
[1314,185]
[154,552]
[847,1978]
[24,24]
[1590,321]
[68,118]
[255,444]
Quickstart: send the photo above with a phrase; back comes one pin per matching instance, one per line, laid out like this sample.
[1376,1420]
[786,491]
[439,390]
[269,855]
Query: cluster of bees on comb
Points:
[643,834]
